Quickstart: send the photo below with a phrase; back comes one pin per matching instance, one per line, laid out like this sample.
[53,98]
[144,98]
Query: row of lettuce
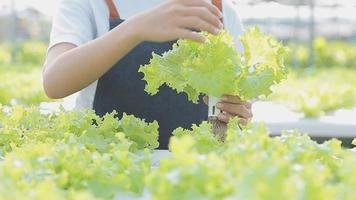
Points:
[78,155]
[30,52]
[21,84]
[313,91]
[316,92]
[20,73]
[327,53]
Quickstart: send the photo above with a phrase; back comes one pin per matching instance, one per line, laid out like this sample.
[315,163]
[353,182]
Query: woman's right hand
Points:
[175,19]
[70,68]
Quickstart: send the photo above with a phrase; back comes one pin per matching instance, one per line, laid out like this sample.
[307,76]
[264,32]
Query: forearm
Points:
[77,68]
[70,69]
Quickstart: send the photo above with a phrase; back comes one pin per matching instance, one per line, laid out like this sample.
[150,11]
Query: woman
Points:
[97,47]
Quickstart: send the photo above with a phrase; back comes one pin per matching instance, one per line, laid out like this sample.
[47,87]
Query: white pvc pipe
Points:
[213,110]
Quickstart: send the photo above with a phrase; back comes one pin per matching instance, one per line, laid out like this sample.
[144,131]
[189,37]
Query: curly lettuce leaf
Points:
[264,58]
[145,135]
[216,68]
[169,67]
[257,84]
[204,140]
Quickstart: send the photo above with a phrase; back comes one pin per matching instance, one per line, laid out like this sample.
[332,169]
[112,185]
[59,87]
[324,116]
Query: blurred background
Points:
[320,34]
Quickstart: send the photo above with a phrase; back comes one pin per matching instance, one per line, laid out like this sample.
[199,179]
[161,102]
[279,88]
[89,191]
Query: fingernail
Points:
[219,105]
[221,25]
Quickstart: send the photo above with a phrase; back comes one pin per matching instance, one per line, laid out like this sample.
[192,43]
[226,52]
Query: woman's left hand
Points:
[233,106]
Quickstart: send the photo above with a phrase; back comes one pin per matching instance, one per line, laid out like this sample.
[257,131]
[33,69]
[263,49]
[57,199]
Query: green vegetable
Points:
[78,155]
[316,92]
[252,165]
[66,156]
[215,67]
[327,53]
[21,84]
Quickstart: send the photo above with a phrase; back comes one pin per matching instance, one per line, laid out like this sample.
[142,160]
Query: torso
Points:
[121,90]
[99,17]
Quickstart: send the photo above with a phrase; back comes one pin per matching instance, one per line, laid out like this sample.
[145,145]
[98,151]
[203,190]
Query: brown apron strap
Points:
[218,4]
[114,13]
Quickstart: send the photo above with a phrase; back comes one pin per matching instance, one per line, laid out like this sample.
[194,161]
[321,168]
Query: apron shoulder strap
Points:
[218,4]
[114,13]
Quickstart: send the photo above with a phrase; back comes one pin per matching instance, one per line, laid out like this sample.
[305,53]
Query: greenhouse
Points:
[178,99]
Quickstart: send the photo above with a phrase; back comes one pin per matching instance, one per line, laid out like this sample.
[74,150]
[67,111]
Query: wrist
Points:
[133,30]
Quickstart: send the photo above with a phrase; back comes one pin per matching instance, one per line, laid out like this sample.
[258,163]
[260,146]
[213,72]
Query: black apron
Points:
[122,89]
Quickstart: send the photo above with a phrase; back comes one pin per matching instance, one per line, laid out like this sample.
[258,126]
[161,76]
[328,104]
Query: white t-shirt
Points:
[80,21]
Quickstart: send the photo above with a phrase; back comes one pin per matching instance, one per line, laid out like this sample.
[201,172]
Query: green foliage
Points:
[21,84]
[327,54]
[78,155]
[66,156]
[5,54]
[317,91]
[216,68]
[252,165]
[29,52]
[140,132]
[204,140]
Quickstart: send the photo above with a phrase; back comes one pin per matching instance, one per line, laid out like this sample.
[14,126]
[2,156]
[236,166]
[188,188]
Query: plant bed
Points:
[66,156]
[339,124]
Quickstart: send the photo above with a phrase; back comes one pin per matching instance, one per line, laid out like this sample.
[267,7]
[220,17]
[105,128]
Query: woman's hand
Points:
[70,68]
[176,19]
[232,106]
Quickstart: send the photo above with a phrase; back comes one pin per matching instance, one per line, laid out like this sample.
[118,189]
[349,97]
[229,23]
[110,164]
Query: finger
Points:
[198,24]
[248,104]
[236,100]
[235,109]
[231,99]
[207,4]
[204,14]
[190,35]
[224,117]
[246,119]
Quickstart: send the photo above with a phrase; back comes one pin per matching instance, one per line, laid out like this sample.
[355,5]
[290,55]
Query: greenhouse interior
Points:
[178,99]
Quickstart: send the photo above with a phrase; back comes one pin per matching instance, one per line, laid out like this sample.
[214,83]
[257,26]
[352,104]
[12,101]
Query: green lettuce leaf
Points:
[216,68]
